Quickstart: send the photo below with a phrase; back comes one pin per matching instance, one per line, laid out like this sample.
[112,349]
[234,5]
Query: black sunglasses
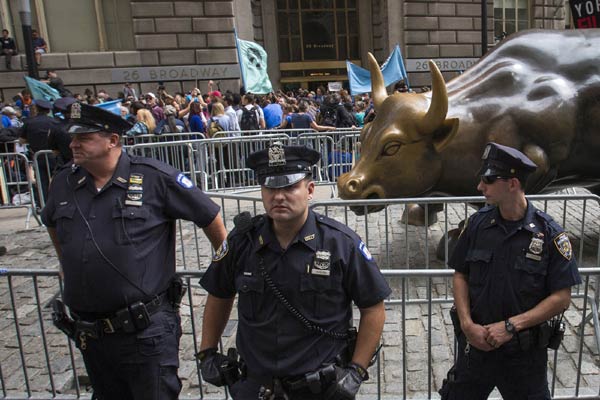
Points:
[488,180]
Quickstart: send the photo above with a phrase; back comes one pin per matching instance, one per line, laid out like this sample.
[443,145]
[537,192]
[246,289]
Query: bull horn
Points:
[439,102]
[378,91]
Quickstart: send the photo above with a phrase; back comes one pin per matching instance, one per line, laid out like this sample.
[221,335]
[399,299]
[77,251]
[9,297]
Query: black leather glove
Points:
[210,365]
[348,381]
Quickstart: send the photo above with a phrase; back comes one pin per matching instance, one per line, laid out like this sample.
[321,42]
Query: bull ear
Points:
[377,85]
[446,135]
[439,102]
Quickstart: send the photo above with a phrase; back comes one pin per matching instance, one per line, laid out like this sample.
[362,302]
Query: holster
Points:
[345,356]
[176,291]
[61,318]
[455,321]
[447,384]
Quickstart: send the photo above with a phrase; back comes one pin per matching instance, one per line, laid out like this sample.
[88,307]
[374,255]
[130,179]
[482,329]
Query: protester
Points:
[39,46]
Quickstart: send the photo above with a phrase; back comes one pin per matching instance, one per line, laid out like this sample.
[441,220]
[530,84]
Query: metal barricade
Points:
[38,361]
[129,141]
[16,188]
[44,165]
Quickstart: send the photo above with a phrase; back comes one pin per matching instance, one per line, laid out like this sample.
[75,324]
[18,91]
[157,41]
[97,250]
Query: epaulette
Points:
[550,222]
[337,225]
[153,163]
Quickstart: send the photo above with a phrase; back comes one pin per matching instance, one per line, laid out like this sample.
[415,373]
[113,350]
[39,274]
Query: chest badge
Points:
[322,264]
[536,246]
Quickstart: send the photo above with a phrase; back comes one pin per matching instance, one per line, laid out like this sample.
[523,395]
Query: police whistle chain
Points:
[311,326]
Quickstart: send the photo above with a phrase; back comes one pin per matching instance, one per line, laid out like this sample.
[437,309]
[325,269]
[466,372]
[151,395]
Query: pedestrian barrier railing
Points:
[38,362]
[220,162]
[165,137]
[9,147]
[16,187]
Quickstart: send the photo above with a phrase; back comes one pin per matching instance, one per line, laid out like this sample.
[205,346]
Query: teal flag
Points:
[253,64]
[40,90]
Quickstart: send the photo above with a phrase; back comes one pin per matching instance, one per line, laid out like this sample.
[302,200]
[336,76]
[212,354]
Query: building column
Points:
[270,35]
[365,30]
[395,25]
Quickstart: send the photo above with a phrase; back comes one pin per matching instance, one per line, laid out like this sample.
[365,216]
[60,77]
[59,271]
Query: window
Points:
[510,16]
[311,30]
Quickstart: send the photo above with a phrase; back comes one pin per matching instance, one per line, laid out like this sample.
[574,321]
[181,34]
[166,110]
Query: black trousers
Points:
[518,375]
[137,366]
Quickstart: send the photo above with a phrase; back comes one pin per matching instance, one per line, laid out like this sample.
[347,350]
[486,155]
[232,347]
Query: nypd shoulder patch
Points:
[221,251]
[563,245]
[362,247]
[184,181]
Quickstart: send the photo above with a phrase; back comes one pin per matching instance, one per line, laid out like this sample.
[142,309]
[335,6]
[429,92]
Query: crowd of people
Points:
[212,112]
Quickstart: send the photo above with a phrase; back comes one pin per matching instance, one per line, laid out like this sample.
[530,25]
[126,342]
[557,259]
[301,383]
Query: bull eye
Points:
[391,148]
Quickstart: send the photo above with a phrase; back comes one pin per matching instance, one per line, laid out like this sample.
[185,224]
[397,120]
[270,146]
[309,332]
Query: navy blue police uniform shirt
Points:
[133,221]
[512,266]
[324,270]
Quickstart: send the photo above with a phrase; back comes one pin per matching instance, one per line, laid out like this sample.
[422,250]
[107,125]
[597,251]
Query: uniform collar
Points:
[306,235]
[82,177]
[528,221]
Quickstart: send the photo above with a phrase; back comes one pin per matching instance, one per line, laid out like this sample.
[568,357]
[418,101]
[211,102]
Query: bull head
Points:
[401,148]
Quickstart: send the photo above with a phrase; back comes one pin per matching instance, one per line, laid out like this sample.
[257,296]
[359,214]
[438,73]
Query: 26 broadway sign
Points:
[586,13]
[175,73]
[444,64]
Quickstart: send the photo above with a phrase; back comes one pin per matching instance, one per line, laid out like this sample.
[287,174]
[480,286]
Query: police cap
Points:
[505,162]
[89,119]
[61,104]
[279,166]
[45,104]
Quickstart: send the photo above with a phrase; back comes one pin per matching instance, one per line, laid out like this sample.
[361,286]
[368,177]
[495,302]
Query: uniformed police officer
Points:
[296,273]
[35,133]
[111,218]
[514,271]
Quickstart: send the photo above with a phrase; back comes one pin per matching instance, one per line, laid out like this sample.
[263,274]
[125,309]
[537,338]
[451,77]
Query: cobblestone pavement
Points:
[403,368]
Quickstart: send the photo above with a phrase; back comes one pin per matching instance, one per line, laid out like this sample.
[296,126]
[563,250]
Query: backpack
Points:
[249,120]
[329,116]
[214,127]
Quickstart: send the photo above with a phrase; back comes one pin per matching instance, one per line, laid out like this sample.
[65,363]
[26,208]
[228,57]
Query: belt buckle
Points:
[108,326]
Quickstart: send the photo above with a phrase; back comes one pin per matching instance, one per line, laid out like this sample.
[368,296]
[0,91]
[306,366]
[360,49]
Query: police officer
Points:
[514,268]
[35,133]
[111,218]
[296,273]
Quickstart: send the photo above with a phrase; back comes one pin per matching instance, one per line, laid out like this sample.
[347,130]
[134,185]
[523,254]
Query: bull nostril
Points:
[353,185]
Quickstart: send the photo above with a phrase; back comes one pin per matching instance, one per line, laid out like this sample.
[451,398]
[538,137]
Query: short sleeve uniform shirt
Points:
[324,270]
[132,222]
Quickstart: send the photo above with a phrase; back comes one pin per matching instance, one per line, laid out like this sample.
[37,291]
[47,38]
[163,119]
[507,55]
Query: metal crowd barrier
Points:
[165,137]
[219,163]
[38,361]
[16,188]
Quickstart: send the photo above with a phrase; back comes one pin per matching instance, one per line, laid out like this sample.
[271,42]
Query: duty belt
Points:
[129,319]
[314,382]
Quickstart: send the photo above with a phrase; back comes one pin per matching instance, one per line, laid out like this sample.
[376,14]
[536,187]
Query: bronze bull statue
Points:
[538,91]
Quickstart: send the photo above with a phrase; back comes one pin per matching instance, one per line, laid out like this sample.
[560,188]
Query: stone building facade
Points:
[103,43]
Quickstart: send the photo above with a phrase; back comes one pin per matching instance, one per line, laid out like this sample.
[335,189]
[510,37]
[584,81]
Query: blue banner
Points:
[40,90]
[112,106]
[393,70]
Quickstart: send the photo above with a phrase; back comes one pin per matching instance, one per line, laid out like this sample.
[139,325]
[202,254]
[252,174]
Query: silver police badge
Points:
[76,111]
[486,152]
[276,155]
[322,263]
[536,246]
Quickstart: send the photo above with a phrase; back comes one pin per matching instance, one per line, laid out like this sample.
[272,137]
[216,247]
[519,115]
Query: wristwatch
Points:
[510,328]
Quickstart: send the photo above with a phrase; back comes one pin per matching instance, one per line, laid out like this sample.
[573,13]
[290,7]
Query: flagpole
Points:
[237,47]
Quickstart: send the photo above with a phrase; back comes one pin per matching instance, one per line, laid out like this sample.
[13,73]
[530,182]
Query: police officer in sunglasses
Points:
[514,268]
